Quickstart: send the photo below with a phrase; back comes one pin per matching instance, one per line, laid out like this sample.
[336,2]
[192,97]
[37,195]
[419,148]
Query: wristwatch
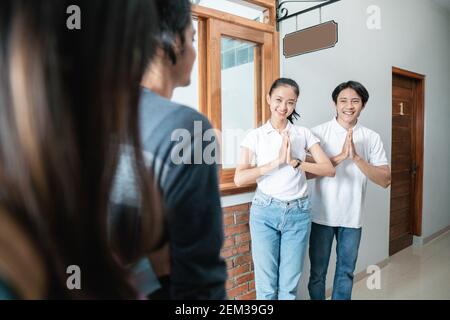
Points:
[299,162]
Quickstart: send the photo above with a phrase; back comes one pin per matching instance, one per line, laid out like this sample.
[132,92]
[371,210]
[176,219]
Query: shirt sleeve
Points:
[311,139]
[249,141]
[195,226]
[377,155]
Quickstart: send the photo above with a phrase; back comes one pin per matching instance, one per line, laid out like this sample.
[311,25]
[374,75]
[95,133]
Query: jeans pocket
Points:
[308,206]
[260,202]
[305,207]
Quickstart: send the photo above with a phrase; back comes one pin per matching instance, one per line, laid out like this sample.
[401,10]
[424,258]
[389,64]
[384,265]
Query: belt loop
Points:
[266,197]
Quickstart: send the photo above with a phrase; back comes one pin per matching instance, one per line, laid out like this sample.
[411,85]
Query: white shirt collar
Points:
[268,128]
[340,128]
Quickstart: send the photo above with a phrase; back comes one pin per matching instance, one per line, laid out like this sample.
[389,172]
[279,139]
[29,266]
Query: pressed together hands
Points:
[284,155]
[380,175]
[247,173]
[348,151]
[317,165]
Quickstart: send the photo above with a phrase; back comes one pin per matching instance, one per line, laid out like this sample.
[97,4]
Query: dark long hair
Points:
[68,99]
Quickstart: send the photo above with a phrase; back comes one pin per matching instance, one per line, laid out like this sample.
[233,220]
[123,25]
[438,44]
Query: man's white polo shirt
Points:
[338,201]
[284,183]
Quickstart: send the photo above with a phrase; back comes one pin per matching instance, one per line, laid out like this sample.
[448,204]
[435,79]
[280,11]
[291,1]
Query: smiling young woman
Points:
[273,156]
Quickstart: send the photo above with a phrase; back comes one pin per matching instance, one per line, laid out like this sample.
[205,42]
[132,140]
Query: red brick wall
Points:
[237,253]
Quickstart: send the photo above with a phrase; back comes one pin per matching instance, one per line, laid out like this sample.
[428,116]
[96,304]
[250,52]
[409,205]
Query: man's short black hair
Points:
[174,17]
[358,87]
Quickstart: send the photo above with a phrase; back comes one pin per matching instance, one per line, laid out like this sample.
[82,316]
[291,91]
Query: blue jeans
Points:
[280,232]
[347,245]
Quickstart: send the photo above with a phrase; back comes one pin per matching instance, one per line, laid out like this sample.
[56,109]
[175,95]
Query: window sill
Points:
[227,189]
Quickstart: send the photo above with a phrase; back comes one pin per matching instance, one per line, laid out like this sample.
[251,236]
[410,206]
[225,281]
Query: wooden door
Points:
[407,154]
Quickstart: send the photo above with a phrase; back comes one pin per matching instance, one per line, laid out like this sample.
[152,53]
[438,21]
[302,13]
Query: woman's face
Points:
[185,58]
[282,102]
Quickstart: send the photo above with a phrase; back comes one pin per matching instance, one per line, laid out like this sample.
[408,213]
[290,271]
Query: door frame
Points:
[418,129]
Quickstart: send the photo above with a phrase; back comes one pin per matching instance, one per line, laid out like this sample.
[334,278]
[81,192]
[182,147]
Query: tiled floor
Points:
[414,273]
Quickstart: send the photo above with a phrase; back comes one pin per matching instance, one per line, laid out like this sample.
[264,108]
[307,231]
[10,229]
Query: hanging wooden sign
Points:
[319,37]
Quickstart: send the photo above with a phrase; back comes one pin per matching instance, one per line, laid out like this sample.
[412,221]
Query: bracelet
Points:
[299,162]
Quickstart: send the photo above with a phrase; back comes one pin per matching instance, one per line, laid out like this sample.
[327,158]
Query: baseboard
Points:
[361,275]
[417,241]
[435,235]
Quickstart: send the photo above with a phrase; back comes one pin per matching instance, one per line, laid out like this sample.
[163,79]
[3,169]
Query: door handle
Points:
[414,169]
[401,109]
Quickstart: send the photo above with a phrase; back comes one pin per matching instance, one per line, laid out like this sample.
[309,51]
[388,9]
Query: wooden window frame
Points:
[212,25]
[204,12]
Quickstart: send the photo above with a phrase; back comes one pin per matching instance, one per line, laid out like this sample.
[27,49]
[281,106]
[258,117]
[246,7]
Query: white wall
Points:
[414,35]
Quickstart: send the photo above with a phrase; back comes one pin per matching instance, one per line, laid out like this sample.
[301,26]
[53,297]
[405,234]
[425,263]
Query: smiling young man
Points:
[358,154]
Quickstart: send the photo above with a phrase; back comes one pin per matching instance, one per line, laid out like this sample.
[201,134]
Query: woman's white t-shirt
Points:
[284,183]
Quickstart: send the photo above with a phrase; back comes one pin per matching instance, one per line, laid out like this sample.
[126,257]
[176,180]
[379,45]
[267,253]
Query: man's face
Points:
[185,58]
[349,106]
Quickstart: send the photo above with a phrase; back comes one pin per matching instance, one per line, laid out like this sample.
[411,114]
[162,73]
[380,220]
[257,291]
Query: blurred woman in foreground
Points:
[68,99]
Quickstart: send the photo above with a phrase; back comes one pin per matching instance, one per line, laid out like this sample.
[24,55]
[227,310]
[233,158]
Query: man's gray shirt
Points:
[190,193]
